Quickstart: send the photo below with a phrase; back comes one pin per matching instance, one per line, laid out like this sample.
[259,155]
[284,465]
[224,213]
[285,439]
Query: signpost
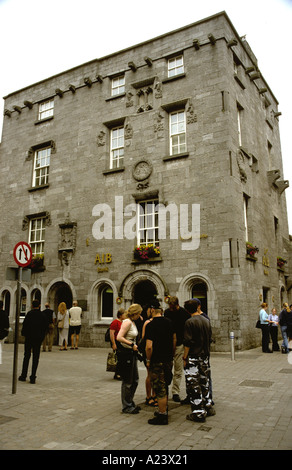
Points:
[22,256]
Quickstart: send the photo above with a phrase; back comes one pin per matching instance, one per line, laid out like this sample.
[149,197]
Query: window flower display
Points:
[251,250]
[144,252]
[281,262]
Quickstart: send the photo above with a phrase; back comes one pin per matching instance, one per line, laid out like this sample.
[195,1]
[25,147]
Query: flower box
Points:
[146,252]
[281,262]
[37,263]
[251,251]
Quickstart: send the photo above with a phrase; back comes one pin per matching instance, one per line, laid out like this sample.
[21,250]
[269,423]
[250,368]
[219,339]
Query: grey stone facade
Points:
[233,174]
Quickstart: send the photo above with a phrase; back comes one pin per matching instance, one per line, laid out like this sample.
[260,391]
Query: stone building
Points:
[172,143]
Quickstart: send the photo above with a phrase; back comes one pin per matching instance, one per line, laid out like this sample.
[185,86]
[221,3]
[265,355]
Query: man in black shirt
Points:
[34,329]
[178,316]
[197,339]
[160,346]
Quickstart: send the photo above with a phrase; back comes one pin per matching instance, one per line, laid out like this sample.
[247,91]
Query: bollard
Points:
[231,335]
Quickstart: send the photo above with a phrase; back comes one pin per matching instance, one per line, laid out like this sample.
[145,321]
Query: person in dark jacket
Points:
[34,328]
[197,339]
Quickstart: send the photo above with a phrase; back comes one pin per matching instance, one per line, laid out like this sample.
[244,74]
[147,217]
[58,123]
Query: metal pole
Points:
[16,330]
[232,345]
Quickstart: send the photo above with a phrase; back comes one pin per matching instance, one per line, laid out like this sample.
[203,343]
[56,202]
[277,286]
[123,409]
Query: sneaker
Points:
[159,420]
[194,417]
[176,398]
[133,411]
[211,411]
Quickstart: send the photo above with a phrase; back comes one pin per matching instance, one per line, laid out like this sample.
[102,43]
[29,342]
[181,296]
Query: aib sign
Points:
[22,254]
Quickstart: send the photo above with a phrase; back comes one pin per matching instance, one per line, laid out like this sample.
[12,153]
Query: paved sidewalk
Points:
[75,405]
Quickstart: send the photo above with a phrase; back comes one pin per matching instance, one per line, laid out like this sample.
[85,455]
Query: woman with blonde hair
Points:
[128,358]
[63,325]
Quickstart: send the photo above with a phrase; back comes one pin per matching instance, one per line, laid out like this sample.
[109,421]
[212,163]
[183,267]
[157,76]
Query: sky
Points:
[40,38]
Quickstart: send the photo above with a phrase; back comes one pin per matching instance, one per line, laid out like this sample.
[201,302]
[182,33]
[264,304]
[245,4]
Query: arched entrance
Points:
[60,292]
[144,292]
[199,291]
[142,286]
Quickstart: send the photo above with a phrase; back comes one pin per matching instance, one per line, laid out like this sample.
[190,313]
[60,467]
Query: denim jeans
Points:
[285,338]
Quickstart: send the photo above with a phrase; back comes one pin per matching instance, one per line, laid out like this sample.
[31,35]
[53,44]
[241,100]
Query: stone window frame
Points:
[120,88]
[178,134]
[176,68]
[120,158]
[47,113]
[154,199]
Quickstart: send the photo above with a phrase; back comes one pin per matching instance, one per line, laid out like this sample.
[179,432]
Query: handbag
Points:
[258,324]
[111,362]
[61,322]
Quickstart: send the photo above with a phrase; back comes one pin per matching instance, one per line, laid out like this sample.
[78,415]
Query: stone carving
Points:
[67,240]
[158,89]
[142,170]
[241,165]
[101,139]
[129,102]
[191,116]
[274,180]
[158,122]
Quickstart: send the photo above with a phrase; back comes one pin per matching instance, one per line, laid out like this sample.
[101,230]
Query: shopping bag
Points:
[111,362]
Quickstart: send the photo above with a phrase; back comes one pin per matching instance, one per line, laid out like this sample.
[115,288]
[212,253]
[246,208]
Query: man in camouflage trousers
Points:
[160,347]
[197,339]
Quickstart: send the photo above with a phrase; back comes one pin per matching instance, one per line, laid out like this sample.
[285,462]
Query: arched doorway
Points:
[60,292]
[144,292]
[199,291]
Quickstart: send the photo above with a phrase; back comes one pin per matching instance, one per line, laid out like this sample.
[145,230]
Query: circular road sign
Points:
[22,254]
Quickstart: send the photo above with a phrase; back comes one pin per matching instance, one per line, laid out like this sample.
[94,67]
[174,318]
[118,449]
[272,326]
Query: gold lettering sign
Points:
[103,258]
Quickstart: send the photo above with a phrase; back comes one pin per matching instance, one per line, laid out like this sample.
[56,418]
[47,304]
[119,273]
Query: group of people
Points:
[169,343]
[269,325]
[38,330]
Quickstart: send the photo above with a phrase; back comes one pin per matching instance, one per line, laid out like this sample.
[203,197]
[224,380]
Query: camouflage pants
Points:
[161,376]
[197,375]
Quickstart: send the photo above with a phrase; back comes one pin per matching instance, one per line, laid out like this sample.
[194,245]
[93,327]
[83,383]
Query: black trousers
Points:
[265,337]
[34,347]
[274,337]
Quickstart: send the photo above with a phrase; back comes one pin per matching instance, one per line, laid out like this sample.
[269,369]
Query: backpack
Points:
[107,335]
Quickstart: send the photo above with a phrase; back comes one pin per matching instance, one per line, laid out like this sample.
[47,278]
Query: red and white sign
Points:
[22,254]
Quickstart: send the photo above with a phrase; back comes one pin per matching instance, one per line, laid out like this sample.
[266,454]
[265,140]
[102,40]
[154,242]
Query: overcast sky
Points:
[40,38]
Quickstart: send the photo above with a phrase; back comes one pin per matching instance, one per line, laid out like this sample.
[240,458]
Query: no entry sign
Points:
[22,254]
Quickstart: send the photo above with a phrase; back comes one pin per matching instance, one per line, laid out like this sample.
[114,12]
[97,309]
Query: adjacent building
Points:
[150,172]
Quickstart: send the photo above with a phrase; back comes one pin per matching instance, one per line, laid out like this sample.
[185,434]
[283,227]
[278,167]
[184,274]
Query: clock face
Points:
[142,170]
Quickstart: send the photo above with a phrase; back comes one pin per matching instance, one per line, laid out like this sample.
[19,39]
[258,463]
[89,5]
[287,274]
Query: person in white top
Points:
[128,358]
[75,314]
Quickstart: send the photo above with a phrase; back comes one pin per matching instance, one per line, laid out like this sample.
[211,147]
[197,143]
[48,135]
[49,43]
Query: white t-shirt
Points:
[75,316]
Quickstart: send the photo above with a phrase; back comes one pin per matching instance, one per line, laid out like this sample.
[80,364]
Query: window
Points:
[175,66]
[41,167]
[37,235]
[118,85]
[46,109]
[239,123]
[106,302]
[177,133]
[245,212]
[147,223]
[117,148]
